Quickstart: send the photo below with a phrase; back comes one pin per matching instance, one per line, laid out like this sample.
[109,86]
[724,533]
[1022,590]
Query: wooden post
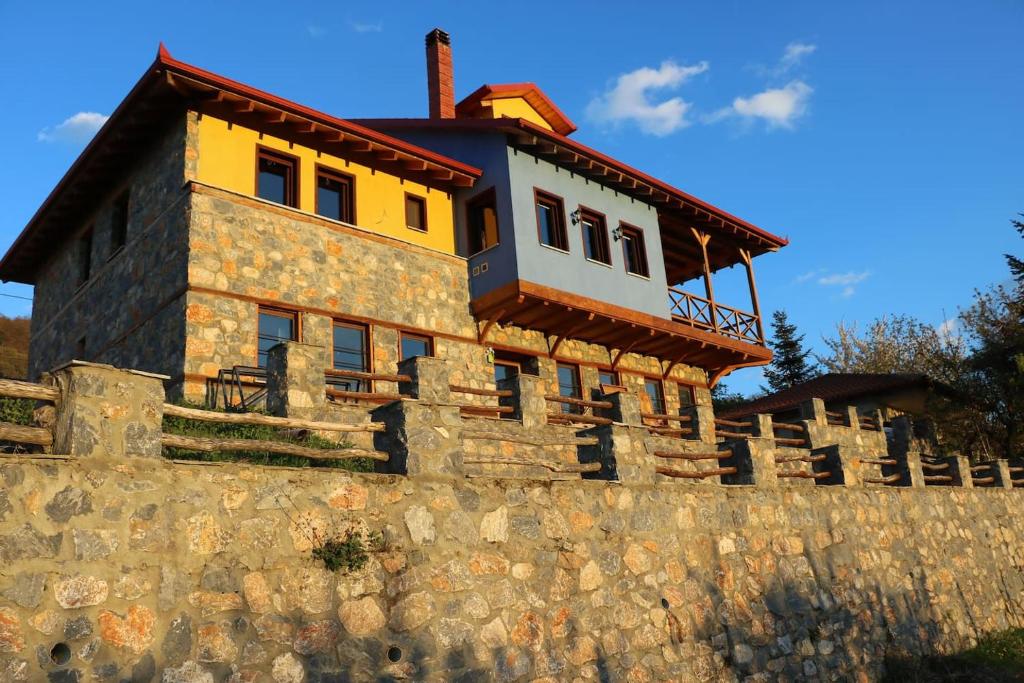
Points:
[748,263]
[702,239]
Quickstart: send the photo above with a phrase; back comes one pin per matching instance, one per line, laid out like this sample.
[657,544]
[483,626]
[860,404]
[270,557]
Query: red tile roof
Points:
[536,98]
[830,387]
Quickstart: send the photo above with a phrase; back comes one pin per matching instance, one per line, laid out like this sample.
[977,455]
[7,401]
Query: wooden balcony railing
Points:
[714,317]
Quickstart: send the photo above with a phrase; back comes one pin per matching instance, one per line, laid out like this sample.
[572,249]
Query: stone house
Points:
[209,220]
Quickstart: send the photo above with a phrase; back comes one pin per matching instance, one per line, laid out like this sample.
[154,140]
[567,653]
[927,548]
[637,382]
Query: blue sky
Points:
[884,139]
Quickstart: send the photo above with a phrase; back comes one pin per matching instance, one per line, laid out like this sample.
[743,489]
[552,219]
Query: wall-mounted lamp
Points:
[617,233]
[575,216]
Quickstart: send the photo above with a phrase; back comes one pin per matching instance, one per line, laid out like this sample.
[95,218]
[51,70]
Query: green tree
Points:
[790,363]
[894,344]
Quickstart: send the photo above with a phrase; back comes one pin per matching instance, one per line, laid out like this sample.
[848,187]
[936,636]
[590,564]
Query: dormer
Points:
[515,101]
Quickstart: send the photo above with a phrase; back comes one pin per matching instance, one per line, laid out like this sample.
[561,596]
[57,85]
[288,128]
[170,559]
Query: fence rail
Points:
[212,445]
[713,317]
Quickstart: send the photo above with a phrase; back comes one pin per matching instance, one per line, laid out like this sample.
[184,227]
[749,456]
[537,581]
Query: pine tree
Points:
[1015,263]
[789,365]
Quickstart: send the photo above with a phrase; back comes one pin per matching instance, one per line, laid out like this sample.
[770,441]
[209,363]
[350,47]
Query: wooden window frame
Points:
[508,364]
[541,196]
[480,198]
[691,389]
[367,331]
[402,334]
[291,185]
[423,211]
[349,207]
[636,234]
[281,313]
[661,393]
[578,374]
[615,375]
[119,228]
[601,225]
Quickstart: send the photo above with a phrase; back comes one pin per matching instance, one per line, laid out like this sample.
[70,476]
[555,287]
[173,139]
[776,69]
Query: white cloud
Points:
[849,278]
[316,31]
[366,27]
[794,54]
[847,282]
[629,99]
[778,107]
[809,275]
[77,128]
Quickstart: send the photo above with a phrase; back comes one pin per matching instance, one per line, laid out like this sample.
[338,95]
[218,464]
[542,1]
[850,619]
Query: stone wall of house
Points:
[243,252]
[142,569]
[130,311]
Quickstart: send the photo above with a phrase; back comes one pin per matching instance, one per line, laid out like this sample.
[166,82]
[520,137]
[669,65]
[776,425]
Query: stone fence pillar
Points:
[814,410]
[762,426]
[422,434]
[527,399]
[296,386]
[702,421]
[104,411]
[625,408]
[754,460]
[1001,471]
[622,450]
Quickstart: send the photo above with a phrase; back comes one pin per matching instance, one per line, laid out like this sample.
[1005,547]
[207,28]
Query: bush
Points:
[17,410]
[187,427]
[349,553]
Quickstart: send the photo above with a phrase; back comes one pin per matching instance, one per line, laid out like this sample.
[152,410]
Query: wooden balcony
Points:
[714,317]
[708,336]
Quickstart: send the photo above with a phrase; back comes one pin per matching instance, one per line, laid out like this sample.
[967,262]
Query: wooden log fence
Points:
[800,474]
[569,418]
[364,395]
[731,435]
[267,420]
[668,431]
[937,478]
[879,461]
[716,455]
[215,445]
[800,458]
[984,480]
[497,393]
[667,418]
[578,402]
[531,441]
[788,427]
[892,478]
[935,467]
[731,423]
[368,376]
[37,436]
[699,474]
[558,467]
[798,443]
[14,388]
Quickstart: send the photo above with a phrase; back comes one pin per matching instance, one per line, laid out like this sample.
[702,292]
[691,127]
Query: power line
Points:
[15,296]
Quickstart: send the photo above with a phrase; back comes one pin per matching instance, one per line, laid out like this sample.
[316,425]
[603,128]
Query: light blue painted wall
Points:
[572,272]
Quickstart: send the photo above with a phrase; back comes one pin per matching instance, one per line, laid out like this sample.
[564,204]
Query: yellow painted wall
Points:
[517,108]
[227,159]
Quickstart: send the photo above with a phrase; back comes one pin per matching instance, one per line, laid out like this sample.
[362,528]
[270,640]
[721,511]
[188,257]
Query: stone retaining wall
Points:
[151,570]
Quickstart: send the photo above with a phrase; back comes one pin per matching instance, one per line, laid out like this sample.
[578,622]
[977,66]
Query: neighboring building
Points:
[893,394]
[209,220]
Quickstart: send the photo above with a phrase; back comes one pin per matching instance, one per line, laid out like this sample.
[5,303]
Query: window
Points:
[335,198]
[685,396]
[569,385]
[482,222]
[505,370]
[634,251]
[414,345]
[551,220]
[277,177]
[608,377]
[351,351]
[595,237]
[655,394]
[85,256]
[275,326]
[415,212]
[119,223]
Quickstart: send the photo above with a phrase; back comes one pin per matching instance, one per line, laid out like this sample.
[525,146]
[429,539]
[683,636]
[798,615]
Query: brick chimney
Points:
[440,79]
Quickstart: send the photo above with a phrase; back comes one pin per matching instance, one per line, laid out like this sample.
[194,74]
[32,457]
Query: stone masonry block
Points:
[625,407]
[422,438]
[429,379]
[295,380]
[754,460]
[703,422]
[104,411]
[527,400]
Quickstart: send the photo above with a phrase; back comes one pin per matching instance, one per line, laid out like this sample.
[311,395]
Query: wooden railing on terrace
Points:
[714,317]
